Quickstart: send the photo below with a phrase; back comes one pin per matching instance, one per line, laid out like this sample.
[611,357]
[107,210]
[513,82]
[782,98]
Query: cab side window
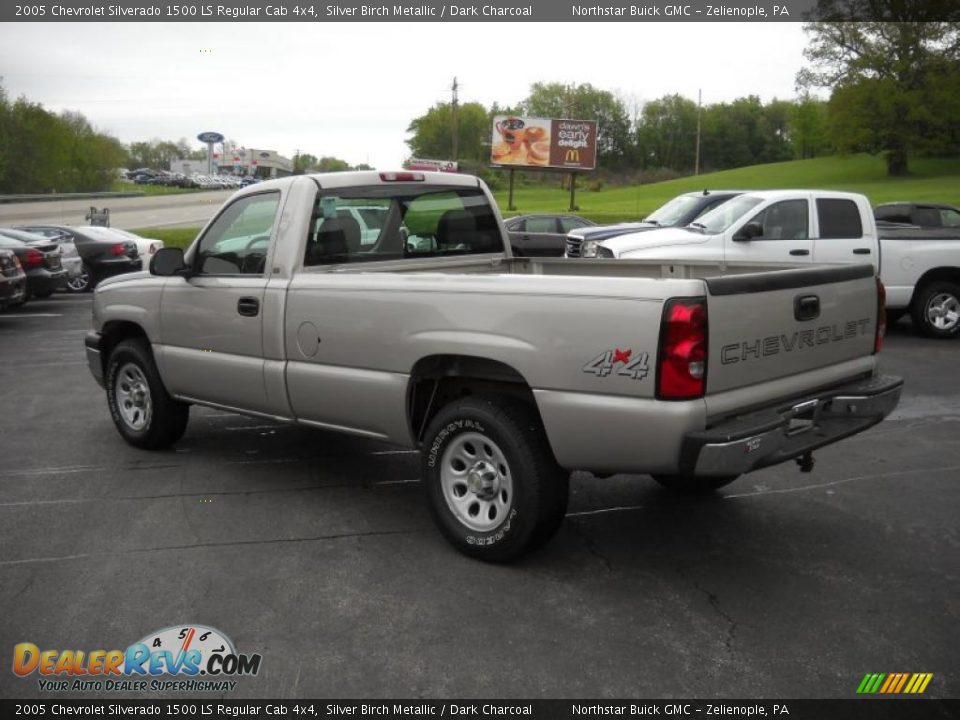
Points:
[238,241]
[839,218]
[950,218]
[786,220]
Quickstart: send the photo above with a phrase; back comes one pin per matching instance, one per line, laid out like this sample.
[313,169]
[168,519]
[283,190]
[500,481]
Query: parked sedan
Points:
[13,281]
[41,263]
[69,257]
[542,235]
[102,258]
[145,246]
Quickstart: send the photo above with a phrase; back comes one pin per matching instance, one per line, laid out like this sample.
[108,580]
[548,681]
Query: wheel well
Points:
[115,332]
[950,274]
[437,380]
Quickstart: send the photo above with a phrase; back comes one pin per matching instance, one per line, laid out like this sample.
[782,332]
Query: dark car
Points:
[679,212]
[13,281]
[542,235]
[927,215]
[101,258]
[45,273]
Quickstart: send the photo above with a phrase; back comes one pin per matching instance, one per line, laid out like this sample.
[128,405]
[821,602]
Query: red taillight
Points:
[682,366]
[401,177]
[118,249]
[33,258]
[881,317]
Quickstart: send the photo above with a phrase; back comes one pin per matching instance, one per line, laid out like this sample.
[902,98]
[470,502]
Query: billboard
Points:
[544,142]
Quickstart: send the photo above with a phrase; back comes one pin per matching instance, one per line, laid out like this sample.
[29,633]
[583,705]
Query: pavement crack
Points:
[591,546]
[204,545]
[732,625]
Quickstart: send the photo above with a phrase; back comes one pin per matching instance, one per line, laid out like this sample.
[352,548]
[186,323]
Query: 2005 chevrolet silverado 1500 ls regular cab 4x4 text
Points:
[507,373]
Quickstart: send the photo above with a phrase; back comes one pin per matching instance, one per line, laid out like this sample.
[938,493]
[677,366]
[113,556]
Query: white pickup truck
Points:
[920,268]
[507,373]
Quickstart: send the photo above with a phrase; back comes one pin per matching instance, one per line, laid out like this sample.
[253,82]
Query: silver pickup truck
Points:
[507,373]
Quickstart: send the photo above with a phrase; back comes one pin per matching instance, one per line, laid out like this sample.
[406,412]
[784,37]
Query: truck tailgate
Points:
[772,325]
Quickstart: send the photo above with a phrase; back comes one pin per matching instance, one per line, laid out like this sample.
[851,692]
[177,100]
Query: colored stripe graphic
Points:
[894,683]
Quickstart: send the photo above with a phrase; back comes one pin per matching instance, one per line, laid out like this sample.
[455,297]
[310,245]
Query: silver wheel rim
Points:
[80,282]
[477,483]
[943,311]
[133,397]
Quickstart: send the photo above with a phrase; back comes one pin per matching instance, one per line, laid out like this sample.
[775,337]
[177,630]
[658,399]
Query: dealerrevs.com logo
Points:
[187,658]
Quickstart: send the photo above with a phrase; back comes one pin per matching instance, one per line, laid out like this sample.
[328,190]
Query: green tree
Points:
[433,133]
[666,133]
[886,77]
[808,127]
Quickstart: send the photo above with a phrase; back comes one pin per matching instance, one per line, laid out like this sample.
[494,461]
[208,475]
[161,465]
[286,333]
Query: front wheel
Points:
[694,484]
[936,309]
[144,413]
[493,486]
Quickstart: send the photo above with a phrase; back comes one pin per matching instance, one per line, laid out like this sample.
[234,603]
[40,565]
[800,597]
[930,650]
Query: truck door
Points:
[784,228]
[843,234]
[211,322]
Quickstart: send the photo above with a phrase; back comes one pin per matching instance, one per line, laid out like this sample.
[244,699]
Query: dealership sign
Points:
[210,137]
[544,142]
[432,165]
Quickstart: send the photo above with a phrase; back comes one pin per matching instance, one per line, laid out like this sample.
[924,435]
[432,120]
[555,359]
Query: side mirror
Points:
[748,232]
[168,262]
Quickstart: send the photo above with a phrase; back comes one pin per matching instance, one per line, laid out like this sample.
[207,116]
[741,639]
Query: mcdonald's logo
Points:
[894,683]
[572,156]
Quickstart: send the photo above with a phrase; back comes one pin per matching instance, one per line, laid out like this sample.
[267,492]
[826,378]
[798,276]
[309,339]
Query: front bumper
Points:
[94,360]
[13,289]
[774,435]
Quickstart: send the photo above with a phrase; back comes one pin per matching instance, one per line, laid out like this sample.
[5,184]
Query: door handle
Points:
[248,306]
[799,252]
[861,251]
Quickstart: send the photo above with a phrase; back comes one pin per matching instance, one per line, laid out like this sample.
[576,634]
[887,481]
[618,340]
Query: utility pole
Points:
[696,162]
[456,127]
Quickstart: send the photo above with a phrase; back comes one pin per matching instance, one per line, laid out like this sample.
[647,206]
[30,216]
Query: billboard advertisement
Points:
[544,142]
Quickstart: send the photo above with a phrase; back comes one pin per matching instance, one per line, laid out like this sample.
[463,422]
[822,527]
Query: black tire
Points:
[936,309]
[694,484]
[82,283]
[510,449]
[131,376]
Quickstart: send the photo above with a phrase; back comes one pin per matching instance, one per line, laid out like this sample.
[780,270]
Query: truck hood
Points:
[646,240]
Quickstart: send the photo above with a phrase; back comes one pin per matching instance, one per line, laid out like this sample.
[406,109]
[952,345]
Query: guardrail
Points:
[52,197]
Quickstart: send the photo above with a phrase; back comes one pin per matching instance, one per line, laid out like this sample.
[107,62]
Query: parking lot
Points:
[316,551]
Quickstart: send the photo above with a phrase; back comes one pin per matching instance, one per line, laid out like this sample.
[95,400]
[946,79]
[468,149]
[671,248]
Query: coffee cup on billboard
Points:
[511,129]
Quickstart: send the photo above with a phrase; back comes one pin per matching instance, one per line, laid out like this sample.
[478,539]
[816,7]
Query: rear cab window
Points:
[367,224]
[839,218]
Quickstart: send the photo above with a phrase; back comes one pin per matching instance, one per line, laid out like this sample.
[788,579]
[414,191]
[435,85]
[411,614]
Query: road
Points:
[185,210]
[316,551]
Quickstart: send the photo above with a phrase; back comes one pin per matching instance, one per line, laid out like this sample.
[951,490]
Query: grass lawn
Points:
[172,237]
[932,179]
[121,186]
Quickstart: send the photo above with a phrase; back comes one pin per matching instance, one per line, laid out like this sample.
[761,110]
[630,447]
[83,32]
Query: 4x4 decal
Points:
[619,362]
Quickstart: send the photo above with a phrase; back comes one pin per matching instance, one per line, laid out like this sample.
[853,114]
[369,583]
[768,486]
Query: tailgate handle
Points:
[806,307]
[799,252]
[861,251]
[248,306]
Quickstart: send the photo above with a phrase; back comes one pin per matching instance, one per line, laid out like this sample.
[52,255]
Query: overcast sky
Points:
[350,90]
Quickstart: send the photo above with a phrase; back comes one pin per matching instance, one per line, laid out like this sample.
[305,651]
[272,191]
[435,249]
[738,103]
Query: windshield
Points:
[670,214]
[725,215]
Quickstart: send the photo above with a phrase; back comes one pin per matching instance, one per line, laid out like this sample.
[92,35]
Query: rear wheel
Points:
[82,282]
[694,484]
[493,486]
[144,413]
[936,309]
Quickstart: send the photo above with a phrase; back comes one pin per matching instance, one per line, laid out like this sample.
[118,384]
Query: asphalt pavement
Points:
[316,551]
